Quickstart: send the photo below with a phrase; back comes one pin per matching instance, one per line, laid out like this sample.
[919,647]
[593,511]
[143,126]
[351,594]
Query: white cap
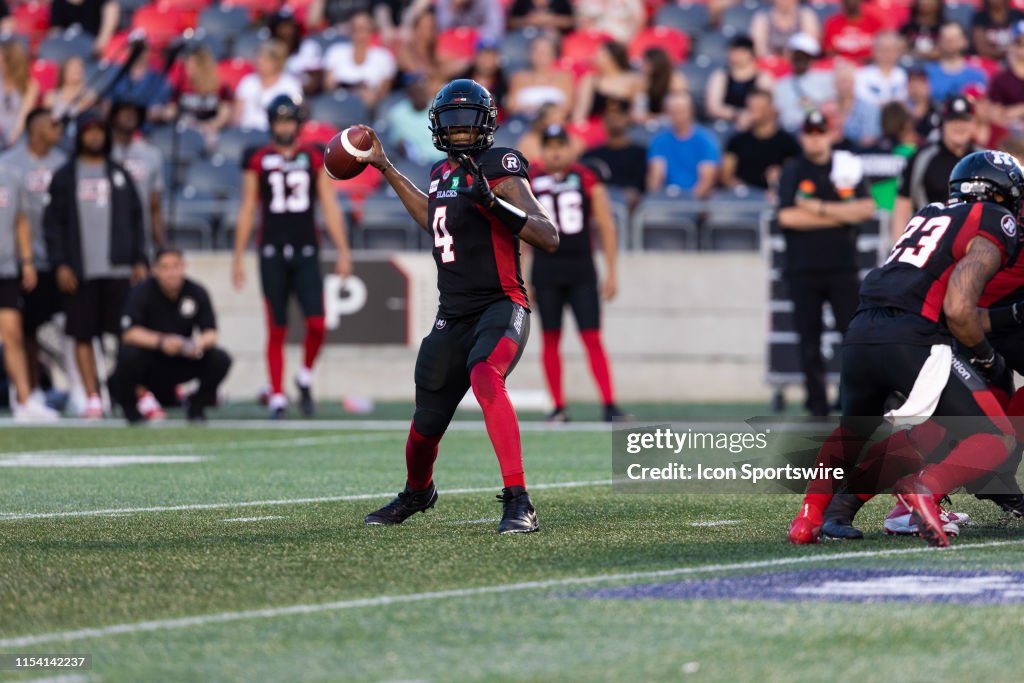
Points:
[804,42]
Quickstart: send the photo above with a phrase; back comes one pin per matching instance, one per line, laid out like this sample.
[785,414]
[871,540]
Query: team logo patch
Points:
[433,186]
[1000,159]
[444,176]
[188,307]
[1009,226]
[440,324]
[126,322]
[511,163]
[455,183]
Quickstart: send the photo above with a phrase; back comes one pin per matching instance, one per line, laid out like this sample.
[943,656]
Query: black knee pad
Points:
[430,422]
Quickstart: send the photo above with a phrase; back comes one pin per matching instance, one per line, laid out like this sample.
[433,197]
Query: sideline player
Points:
[576,199]
[282,178]
[479,205]
[922,299]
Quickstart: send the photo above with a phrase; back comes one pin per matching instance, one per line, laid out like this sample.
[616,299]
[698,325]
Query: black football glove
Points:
[992,366]
[481,193]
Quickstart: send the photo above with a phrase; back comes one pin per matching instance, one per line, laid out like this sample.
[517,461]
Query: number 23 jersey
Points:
[915,276]
[287,187]
[477,255]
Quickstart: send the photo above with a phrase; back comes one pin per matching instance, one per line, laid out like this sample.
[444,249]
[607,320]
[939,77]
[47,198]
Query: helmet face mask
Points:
[463,104]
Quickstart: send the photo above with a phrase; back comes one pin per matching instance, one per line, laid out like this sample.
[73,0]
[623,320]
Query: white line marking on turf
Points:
[53,460]
[385,600]
[253,519]
[12,516]
[715,522]
[320,425]
[485,520]
[67,678]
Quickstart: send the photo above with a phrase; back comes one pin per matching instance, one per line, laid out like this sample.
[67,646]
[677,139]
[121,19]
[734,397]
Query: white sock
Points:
[278,401]
[304,377]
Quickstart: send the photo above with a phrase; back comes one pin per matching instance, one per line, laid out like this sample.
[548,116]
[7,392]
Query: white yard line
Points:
[13,516]
[253,519]
[715,522]
[386,600]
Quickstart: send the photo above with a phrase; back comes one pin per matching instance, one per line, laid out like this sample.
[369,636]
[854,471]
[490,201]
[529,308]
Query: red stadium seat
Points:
[673,41]
[161,23]
[580,46]
[190,6]
[231,71]
[457,44]
[317,133]
[360,187]
[116,48]
[46,74]
[256,8]
[776,66]
[32,19]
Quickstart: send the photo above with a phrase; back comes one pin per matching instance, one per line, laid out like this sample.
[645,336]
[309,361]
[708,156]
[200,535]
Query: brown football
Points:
[341,158]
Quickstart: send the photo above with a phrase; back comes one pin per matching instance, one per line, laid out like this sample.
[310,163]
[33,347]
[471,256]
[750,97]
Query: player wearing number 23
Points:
[477,207]
[285,179]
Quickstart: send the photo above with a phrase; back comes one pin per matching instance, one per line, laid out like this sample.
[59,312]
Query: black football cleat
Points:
[1012,503]
[612,413]
[558,416]
[518,515]
[404,506]
[840,530]
[195,412]
[838,519]
[306,404]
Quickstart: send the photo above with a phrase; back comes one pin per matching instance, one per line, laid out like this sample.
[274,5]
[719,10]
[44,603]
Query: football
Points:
[341,158]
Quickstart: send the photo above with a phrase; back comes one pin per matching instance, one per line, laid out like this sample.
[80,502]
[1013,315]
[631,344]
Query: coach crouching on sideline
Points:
[158,350]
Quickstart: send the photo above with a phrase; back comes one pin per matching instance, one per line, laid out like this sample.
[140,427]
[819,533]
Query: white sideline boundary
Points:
[15,516]
[386,600]
[321,425]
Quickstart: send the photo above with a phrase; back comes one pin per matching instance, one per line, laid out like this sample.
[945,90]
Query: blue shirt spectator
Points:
[686,155]
[951,73]
[142,86]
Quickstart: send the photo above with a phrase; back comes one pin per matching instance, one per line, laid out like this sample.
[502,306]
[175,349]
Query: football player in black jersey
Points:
[477,207]
[285,178]
[577,200]
[913,309]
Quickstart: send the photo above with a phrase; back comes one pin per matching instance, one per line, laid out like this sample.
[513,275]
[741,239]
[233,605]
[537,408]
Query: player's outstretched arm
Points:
[243,226]
[334,221]
[602,212]
[539,230]
[413,198]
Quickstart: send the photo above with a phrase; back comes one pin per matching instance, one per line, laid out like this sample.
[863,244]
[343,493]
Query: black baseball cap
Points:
[957,108]
[815,122]
[742,42]
[554,132]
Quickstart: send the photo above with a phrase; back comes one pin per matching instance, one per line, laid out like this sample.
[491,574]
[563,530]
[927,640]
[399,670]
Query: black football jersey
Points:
[914,278]
[477,255]
[568,201]
[287,194]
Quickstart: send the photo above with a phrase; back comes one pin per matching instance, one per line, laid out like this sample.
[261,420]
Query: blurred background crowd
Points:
[688,99]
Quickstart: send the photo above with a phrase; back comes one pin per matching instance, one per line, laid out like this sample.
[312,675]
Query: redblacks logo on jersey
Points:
[1009,226]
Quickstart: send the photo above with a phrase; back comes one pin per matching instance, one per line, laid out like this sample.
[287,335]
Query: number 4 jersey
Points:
[901,301]
[477,255]
[287,187]
[567,200]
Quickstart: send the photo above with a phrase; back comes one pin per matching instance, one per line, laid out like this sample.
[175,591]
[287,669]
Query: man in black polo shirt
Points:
[926,176]
[822,201]
[159,350]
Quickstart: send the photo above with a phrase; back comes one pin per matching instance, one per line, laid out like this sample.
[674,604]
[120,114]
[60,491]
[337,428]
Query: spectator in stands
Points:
[822,202]
[951,73]
[552,16]
[921,105]
[169,337]
[98,18]
[94,236]
[409,126]
[1014,144]
[660,80]
[200,99]
[684,156]
[857,118]
[550,114]
[728,88]
[543,83]
[771,29]
[804,89]
[991,27]
[755,156]
[1007,86]
[851,32]
[884,80]
[988,134]
[70,85]
[143,86]
[922,30]
[145,163]
[620,19]
[19,92]
[623,162]
[358,65]
[884,162]
[305,57]
[417,52]
[613,79]
[486,70]
[256,90]
[926,176]
[485,16]
[335,12]
[6,20]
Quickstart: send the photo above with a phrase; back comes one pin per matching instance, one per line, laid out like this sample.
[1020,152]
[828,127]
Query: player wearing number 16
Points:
[285,178]
[478,206]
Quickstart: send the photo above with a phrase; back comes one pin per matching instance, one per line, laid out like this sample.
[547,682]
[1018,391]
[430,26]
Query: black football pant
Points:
[161,374]
[809,290]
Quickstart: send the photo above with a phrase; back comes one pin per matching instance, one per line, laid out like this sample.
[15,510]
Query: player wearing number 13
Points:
[285,178]
[477,207]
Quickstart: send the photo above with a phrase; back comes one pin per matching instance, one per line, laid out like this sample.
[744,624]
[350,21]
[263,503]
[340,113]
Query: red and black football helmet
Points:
[463,103]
